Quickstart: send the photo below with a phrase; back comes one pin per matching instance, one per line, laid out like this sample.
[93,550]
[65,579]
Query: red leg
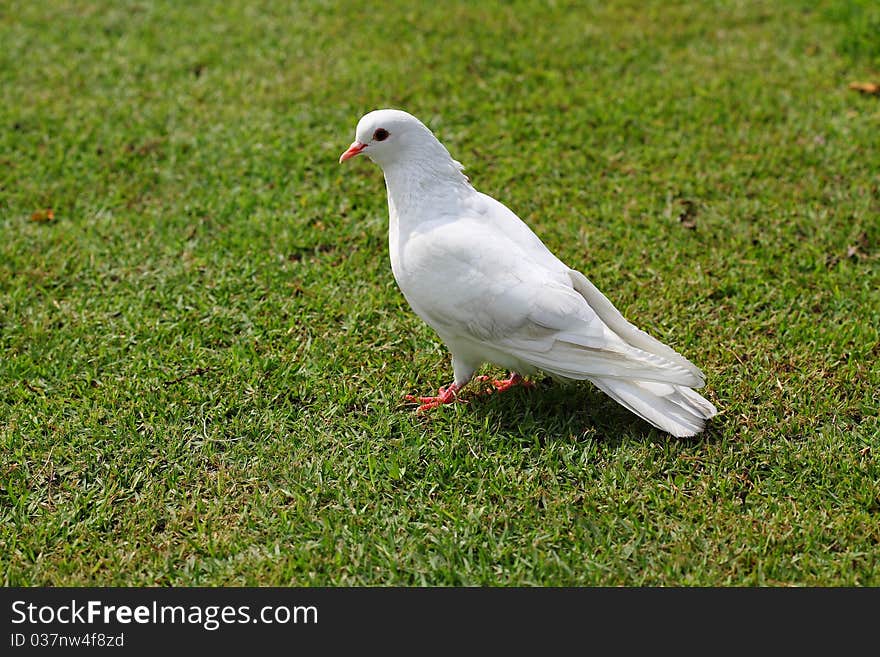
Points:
[446,395]
[506,384]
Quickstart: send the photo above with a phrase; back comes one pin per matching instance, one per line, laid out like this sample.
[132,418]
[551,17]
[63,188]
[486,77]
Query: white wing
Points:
[470,280]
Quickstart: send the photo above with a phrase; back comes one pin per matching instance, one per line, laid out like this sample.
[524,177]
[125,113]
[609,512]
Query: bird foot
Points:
[446,395]
[505,384]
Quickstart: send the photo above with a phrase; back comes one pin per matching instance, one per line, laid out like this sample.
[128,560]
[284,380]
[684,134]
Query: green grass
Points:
[205,353]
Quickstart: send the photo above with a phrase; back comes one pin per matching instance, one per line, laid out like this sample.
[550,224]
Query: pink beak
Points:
[355,148]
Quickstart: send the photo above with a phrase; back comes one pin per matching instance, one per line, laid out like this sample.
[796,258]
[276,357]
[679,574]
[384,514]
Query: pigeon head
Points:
[389,137]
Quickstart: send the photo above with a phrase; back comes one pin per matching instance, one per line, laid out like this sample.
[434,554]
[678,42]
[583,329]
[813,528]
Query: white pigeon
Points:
[494,293]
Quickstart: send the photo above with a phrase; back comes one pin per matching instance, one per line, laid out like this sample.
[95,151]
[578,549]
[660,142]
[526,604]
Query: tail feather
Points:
[623,328]
[570,360]
[669,403]
[676,409]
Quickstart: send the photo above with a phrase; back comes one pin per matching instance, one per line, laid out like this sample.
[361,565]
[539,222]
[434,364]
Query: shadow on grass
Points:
[569,412]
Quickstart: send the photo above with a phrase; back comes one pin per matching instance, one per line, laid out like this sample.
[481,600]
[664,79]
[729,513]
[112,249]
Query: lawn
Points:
[205,353]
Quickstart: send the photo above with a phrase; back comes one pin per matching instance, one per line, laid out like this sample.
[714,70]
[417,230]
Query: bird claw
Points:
[445,395]
[449,394]
[505,384]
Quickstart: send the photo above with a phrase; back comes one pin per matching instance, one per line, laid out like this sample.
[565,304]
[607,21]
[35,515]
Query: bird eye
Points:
[381,134]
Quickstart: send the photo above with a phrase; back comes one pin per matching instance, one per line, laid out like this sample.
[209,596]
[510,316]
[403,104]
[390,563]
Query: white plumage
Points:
[494,293]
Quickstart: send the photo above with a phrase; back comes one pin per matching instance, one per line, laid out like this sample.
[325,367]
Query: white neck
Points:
[416,184]
[424,183]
